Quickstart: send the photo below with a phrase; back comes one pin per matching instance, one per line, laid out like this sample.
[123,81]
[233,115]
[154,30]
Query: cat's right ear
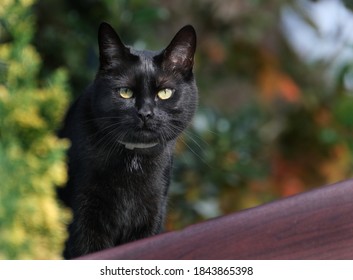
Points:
[111,50]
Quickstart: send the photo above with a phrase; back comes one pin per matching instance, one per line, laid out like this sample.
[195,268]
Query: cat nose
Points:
[146,112]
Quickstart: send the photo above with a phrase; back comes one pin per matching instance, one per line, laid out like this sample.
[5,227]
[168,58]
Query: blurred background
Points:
[276,103]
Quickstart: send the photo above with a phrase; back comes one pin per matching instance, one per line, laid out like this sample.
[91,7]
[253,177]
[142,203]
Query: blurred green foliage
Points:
[31,157]
[270,124]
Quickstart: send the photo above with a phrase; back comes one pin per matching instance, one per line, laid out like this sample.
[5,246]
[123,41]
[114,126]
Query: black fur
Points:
[119,193]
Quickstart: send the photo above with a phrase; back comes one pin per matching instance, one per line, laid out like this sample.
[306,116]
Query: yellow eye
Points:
[126,93]
[165,93]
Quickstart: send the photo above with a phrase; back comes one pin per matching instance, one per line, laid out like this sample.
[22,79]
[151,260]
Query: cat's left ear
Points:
[179,55]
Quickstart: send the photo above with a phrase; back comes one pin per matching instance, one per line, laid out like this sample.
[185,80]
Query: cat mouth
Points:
[132,146]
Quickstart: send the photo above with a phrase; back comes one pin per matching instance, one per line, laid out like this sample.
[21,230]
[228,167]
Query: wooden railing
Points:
[314,225]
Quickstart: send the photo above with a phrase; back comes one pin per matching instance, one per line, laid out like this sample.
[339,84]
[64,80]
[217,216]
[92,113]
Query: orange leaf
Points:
[275,84]
[288,89]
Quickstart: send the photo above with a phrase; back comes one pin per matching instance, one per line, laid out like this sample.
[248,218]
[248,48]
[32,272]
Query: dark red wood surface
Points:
[314,225]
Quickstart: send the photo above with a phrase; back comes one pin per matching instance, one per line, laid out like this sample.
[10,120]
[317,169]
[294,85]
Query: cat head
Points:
[143,100]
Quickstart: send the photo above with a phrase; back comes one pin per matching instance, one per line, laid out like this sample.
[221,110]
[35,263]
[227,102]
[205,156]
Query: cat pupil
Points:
[165,93]
[126,93]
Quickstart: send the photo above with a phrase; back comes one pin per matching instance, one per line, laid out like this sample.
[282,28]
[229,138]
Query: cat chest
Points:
[131,197]
[138,210]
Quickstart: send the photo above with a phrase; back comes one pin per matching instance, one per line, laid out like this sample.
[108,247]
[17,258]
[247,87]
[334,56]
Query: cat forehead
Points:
[146,58]
[146,72]
[143,70]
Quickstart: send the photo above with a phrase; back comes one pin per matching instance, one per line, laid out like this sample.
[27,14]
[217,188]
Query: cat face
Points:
[142,99]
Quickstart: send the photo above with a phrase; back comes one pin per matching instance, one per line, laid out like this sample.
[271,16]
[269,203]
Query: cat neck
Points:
[133,161]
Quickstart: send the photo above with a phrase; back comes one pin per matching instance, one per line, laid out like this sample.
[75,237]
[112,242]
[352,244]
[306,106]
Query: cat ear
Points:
[180,52]
[111,49]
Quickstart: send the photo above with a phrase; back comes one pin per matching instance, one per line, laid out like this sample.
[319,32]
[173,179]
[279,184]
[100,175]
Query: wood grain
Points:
[314,225]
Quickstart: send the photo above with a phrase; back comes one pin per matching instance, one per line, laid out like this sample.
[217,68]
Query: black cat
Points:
[123,130]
